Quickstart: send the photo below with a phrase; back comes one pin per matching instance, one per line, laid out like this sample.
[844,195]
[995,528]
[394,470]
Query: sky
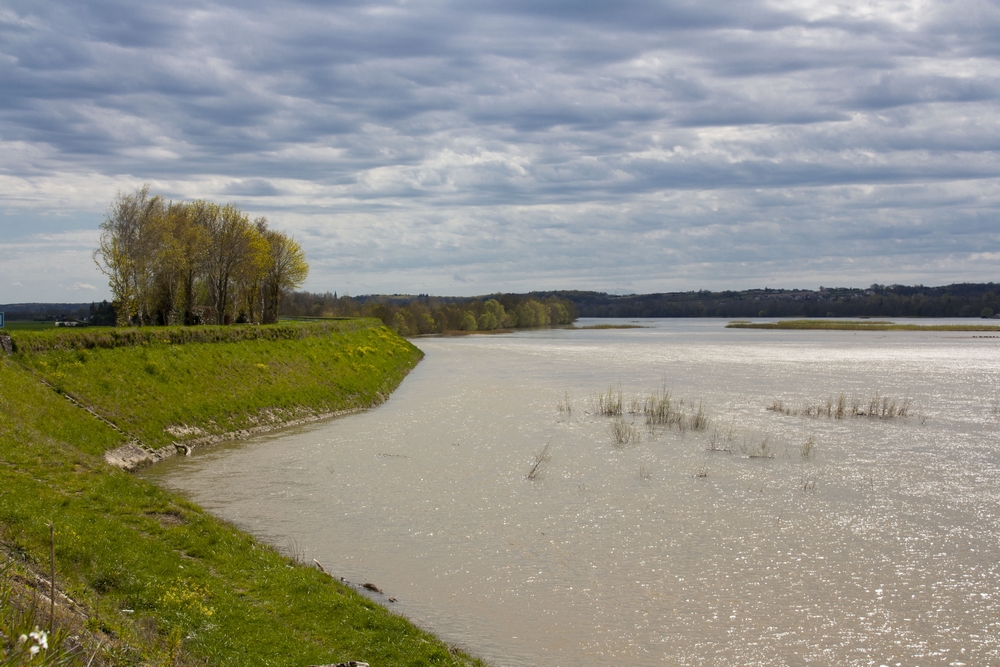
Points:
[464,148]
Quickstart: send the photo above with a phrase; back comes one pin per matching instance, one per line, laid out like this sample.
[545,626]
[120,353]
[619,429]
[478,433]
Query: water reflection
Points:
[880,548]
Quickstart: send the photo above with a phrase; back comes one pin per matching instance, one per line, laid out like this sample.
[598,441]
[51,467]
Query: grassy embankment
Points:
[858,325]
[155,579]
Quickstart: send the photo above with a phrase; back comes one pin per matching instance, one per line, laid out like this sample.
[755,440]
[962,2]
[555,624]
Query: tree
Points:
[468,321]
[190,228]
[163,260]
[286,270]
[126,252]
[252,271]
[228,231]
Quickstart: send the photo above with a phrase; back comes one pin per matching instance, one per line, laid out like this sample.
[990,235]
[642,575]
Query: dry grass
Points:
[610,404]
[808,448]
[660,409]
[722,441]
[624,433]
[875,406]
[565,405]
[753,450]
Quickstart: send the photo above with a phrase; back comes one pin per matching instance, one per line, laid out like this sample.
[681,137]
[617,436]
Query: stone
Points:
[129,457]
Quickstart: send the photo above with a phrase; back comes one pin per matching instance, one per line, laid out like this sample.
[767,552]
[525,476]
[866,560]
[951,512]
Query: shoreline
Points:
[133,456]
[154,576]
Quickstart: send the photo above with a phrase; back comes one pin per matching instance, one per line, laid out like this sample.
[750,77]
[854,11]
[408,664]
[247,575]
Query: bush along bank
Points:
[144,576]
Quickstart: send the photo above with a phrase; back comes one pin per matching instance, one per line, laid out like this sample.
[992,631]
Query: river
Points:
[767,538]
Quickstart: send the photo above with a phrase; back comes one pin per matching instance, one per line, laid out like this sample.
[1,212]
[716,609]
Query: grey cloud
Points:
[440,140]
[894,90]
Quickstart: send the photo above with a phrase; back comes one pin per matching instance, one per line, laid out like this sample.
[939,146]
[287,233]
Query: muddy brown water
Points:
[881,548]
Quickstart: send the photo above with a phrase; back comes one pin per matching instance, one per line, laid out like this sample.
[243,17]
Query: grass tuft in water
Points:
[722,441]
[624,433]
[645,477]
[875,406]
[610,404]
[753,450]
[565,405]
[808,448]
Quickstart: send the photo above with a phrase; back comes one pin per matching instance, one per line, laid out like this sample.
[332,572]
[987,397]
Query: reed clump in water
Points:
[645,477]
[565,405]
[660,409]
[722,441]
[876,406]
[610,404]
[808,448]
[624,433]
[754,450]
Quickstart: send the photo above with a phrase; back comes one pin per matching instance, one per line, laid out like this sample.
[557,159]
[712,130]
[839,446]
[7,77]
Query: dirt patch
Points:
[168,519]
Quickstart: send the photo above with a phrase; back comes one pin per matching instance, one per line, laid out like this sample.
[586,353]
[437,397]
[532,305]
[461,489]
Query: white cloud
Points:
[658,146]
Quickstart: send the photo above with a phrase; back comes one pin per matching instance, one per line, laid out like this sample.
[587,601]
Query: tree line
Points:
[192,262]
[414,315]
[957,300]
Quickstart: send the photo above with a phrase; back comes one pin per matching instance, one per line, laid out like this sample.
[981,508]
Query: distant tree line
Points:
[187,262]
[44,312]
[412,315]
[957,300]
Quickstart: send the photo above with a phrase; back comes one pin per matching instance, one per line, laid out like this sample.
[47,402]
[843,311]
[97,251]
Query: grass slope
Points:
[160,581]
[150,380]
[858,325]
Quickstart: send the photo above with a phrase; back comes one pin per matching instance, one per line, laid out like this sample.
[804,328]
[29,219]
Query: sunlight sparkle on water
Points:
[881,547]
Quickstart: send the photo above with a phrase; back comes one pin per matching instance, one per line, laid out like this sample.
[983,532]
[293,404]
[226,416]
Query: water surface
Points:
[880,548]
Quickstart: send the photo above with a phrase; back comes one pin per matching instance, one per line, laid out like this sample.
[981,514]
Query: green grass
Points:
[159,581]
[277,374]
[859,325]
[29,325]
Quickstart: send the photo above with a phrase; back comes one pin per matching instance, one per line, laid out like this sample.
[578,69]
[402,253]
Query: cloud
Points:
[77,286]
[653,145]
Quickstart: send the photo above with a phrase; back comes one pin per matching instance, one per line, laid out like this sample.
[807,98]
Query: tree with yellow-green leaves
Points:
[286,270]
[188,262]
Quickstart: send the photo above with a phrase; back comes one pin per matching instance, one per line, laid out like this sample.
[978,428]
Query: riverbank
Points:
[149,577]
